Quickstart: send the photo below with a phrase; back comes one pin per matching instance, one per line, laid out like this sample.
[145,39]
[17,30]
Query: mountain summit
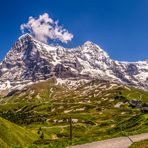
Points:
[29,61]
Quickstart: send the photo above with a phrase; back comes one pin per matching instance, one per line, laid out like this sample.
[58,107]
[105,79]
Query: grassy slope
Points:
[141,144]
[99,110]
[11,134]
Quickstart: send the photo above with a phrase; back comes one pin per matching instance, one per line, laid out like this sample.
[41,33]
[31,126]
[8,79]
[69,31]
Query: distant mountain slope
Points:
[12,134]
[29,61]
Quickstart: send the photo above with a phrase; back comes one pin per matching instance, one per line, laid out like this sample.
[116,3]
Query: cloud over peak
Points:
[44,28]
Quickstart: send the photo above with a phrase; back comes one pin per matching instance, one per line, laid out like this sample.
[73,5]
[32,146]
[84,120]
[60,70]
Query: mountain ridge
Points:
[30,61]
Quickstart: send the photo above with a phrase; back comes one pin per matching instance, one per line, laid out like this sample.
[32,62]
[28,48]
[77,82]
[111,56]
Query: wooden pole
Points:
[70,122]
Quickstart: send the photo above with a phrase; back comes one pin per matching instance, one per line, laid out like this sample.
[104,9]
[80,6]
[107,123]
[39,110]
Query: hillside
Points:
[99,110]
[12,134]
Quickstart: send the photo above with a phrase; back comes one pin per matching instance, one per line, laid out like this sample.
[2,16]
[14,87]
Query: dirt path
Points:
[121,142]
[59,126]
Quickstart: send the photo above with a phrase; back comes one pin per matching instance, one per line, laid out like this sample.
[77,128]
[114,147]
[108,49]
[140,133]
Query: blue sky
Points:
[120,27]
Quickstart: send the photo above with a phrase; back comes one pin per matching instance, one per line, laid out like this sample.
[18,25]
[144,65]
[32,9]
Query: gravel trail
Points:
[121,142]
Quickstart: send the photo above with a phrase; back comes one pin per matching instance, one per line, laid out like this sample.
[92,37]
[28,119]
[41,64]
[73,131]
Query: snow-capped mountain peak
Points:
[92,47]
[26,35]
[29,61]
[88,43]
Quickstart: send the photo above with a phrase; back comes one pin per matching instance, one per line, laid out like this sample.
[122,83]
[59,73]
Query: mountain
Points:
[30,61]
[44,85]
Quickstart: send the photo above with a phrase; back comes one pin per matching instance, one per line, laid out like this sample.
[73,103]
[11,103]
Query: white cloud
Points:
[44,28]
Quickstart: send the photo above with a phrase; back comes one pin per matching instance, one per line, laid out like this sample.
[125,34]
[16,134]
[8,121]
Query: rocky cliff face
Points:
[29,61]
